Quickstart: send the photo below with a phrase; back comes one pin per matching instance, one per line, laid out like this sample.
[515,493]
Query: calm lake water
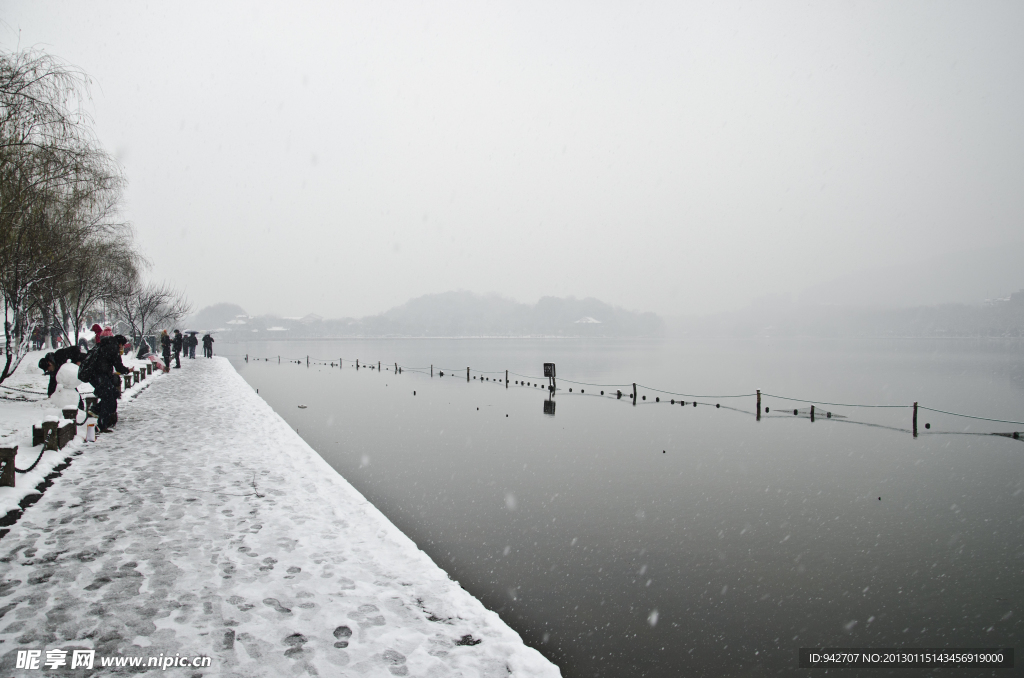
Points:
[668,540]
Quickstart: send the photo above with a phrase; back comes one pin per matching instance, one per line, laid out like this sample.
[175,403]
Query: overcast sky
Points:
[340,158]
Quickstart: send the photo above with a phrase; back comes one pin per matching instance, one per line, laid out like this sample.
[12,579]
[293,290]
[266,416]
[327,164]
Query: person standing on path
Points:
[207,346]
[165,347]
[105,384]
[177,342]
[193,341]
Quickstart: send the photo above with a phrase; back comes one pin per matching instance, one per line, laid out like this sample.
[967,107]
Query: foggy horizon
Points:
[342,160]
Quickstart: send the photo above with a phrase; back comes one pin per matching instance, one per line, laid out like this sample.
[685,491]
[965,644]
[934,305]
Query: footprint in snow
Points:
[278,607]
[366,616]
[295,643]
[396,662]
[240,603]
[440,645]
[342,633]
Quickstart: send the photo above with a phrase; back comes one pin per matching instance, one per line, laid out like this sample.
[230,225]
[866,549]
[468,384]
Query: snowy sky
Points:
[340,158]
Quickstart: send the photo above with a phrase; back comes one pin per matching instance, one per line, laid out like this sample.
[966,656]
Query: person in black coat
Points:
[207,346]
[104,382]
[177,342]
[165,347]
[51,363]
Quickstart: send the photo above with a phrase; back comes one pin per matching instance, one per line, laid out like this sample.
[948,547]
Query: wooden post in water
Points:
[915,419]
[431,371]
[378,366]
[396,368]
[634,393]
[812,414]
[357,363]
[759,404]
[506,378]
[467,375]
[307,361]
[278,360]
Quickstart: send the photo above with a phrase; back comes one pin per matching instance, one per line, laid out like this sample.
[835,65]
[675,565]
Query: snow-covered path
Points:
[205,526]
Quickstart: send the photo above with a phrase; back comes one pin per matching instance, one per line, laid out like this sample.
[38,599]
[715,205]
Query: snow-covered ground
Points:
[205,526]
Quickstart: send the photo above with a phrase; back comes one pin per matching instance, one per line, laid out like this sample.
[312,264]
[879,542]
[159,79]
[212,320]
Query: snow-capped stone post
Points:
[7,455]
[41,432]
[127,381]
[66,433]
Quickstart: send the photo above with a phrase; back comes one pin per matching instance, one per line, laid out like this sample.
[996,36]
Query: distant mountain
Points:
[449,314]
[218,315]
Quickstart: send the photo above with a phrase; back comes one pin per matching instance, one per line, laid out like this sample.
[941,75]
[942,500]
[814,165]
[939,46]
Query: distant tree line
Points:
[67,257]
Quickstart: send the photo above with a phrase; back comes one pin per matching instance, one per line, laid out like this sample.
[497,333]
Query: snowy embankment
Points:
[205,526]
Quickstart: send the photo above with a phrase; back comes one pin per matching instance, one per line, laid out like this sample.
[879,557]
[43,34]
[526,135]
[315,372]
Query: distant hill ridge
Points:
[447,314]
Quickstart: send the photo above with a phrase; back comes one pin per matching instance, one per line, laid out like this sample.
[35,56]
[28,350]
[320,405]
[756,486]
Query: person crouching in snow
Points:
[51,363]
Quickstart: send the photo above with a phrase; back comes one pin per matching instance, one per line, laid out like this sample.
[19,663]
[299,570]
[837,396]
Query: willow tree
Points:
[58,189]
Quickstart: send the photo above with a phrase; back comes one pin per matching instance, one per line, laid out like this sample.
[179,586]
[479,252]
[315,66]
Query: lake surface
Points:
[661,540]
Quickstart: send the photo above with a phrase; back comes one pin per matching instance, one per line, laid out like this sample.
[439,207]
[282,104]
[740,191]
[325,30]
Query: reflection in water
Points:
[667,540]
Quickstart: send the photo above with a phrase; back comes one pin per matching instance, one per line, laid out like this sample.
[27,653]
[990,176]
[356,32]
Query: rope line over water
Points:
[971,416]
[458,370]
[690,395]
[821,402]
